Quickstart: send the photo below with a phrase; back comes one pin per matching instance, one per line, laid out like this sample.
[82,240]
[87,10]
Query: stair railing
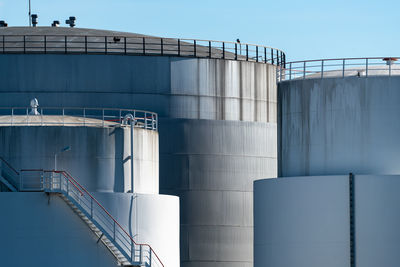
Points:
[63,182]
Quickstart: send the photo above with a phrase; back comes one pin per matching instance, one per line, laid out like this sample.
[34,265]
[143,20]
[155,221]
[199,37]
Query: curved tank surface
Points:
[305,221]
[339,125]
[217,127]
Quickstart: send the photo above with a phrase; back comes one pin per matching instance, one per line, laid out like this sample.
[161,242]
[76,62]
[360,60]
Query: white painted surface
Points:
[304,221]
[99,157]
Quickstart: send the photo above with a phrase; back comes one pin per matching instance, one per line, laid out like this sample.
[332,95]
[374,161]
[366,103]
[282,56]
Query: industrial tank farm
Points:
[336,200]
[217,108]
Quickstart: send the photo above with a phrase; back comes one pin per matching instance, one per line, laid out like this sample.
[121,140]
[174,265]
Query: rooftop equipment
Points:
[71,21]
[34,20]
[3,23]
[55,23]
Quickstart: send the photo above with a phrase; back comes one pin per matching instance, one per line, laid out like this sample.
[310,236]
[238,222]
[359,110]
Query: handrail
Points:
[105,210]
[140,45]
[339,67]
[105,117]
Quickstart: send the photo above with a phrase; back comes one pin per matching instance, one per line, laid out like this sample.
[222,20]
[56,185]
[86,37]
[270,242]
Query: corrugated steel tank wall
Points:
[340,125]
[217,131]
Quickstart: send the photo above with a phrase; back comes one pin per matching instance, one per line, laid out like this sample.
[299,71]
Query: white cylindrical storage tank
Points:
[306,221]
[339,125]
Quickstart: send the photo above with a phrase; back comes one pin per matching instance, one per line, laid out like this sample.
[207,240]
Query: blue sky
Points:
[303,29]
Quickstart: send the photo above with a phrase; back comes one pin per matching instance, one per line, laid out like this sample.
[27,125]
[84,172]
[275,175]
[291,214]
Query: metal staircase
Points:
[99,220]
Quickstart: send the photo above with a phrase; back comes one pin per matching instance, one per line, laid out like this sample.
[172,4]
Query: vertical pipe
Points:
[352,220]
[132,173]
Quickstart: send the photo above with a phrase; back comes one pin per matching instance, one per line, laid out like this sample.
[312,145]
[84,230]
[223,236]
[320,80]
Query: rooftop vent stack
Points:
[34,20]
[3,23]
[55,23]
[71,21]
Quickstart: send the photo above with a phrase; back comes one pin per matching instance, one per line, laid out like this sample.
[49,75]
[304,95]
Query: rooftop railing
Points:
[47,116]
[63,44]
[342,67]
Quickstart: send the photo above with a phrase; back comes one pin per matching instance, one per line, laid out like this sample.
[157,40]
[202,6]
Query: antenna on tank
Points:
[29,14]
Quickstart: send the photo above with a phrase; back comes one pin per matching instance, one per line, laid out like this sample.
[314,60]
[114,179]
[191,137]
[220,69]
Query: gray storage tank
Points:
[217,116]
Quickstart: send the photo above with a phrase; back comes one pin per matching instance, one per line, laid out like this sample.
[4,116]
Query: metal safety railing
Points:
[106,117]
[141,45]
[63,182]
[341,67]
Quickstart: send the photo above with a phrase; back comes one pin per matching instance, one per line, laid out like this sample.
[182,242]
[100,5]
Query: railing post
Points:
[272,56]
[91,207]
[223,50]
[209,49]
[103,118]
[390,67]
[179,47]
[277,57]
[322,69]
[304,70]
[247,52]
[84,117]
[125,45]
[45,44]
[150,257]
[3,44]
[194,48]
[114,230]
[12,116]
[86,46]
[63,114]
[132,251]
[256,53]
[235,51]
[65,43]
[24,45]
[290,71]
[265,55]
[141,254]
[344,63]
[366,67]
[144,46]
[105,45]
[162,46]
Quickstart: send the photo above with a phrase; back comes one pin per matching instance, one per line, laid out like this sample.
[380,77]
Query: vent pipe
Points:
[71,21]
[34,20]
